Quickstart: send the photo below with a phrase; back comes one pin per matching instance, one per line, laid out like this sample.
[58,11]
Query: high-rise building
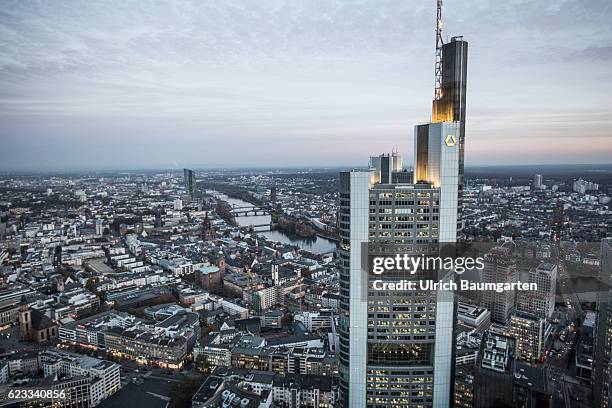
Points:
[450,102]
[386,165]
[390,168]
[529,331]
[392,354]
[273,194]
[190,182]
[464,388]
[499,267]
[602,375]
[540,302]
[396,349]
[537,181]
[437,160]
[582,186]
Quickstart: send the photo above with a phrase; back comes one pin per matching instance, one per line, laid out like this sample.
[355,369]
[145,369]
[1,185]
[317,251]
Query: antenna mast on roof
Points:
[439,43]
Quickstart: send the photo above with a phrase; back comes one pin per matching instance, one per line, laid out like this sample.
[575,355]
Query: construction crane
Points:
[439,43]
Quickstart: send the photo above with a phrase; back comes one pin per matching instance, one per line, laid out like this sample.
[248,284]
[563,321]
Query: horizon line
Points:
[263,167]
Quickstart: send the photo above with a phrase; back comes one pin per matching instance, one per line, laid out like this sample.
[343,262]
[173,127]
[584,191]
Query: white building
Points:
[105,375]
[537,182]
[314,321]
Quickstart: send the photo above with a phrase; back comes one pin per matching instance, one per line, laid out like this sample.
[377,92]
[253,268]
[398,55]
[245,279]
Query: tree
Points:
[287,320]
[203,365]
[90,285]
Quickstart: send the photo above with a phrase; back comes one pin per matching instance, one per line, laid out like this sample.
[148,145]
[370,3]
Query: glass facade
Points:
[190,182]
[390,354]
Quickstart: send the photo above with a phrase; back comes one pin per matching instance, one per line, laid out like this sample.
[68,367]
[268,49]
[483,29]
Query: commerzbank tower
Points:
[397,348]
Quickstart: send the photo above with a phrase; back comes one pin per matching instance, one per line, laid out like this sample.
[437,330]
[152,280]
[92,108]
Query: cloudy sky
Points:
[135,84]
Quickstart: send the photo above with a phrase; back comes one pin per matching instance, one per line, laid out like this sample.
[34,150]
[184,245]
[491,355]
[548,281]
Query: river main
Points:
[316,245]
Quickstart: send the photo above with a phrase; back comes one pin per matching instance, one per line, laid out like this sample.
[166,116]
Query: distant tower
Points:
[208,232]
[221,265]
[25,319]
[537,181]
[190,182]
[59,285]
[273,194]
[99,227]
[499,268]
[275,273]
[556,223]
[57,256]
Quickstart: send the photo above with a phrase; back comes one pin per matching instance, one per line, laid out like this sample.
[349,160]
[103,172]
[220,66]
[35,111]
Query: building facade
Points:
[396,349]
[529,332]
[540,302]
[602,374]
[190,182]
[499,268]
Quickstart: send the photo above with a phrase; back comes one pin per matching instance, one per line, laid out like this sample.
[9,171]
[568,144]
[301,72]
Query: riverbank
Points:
[315,244]
[280,221]
[294,227]
[225,212]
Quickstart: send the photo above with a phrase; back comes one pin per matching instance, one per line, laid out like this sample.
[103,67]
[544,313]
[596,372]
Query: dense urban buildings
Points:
[255,288]
[138,283]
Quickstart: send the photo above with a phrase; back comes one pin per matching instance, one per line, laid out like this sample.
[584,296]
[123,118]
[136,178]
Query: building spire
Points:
[439,43]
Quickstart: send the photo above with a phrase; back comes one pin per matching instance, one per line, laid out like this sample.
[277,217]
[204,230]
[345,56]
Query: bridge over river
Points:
[245,216]
[245,211]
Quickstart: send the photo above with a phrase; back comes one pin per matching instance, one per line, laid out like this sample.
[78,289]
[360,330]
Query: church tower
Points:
[25,319]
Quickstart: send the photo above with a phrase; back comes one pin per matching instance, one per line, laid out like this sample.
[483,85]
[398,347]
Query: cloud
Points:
[283,74]
[593,53]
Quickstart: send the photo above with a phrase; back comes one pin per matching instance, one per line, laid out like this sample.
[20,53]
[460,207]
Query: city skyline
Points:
[183,222]
[170,85]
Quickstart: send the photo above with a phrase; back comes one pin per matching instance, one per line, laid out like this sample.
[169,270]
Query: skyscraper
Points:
[397,348]
[449,104]
[537,181]
[190,182]
[602,378]
[540,302]
[386,165]
[499,267]
[529,332]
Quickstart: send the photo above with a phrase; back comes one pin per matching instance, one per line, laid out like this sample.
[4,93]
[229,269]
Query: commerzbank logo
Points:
[450,141]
